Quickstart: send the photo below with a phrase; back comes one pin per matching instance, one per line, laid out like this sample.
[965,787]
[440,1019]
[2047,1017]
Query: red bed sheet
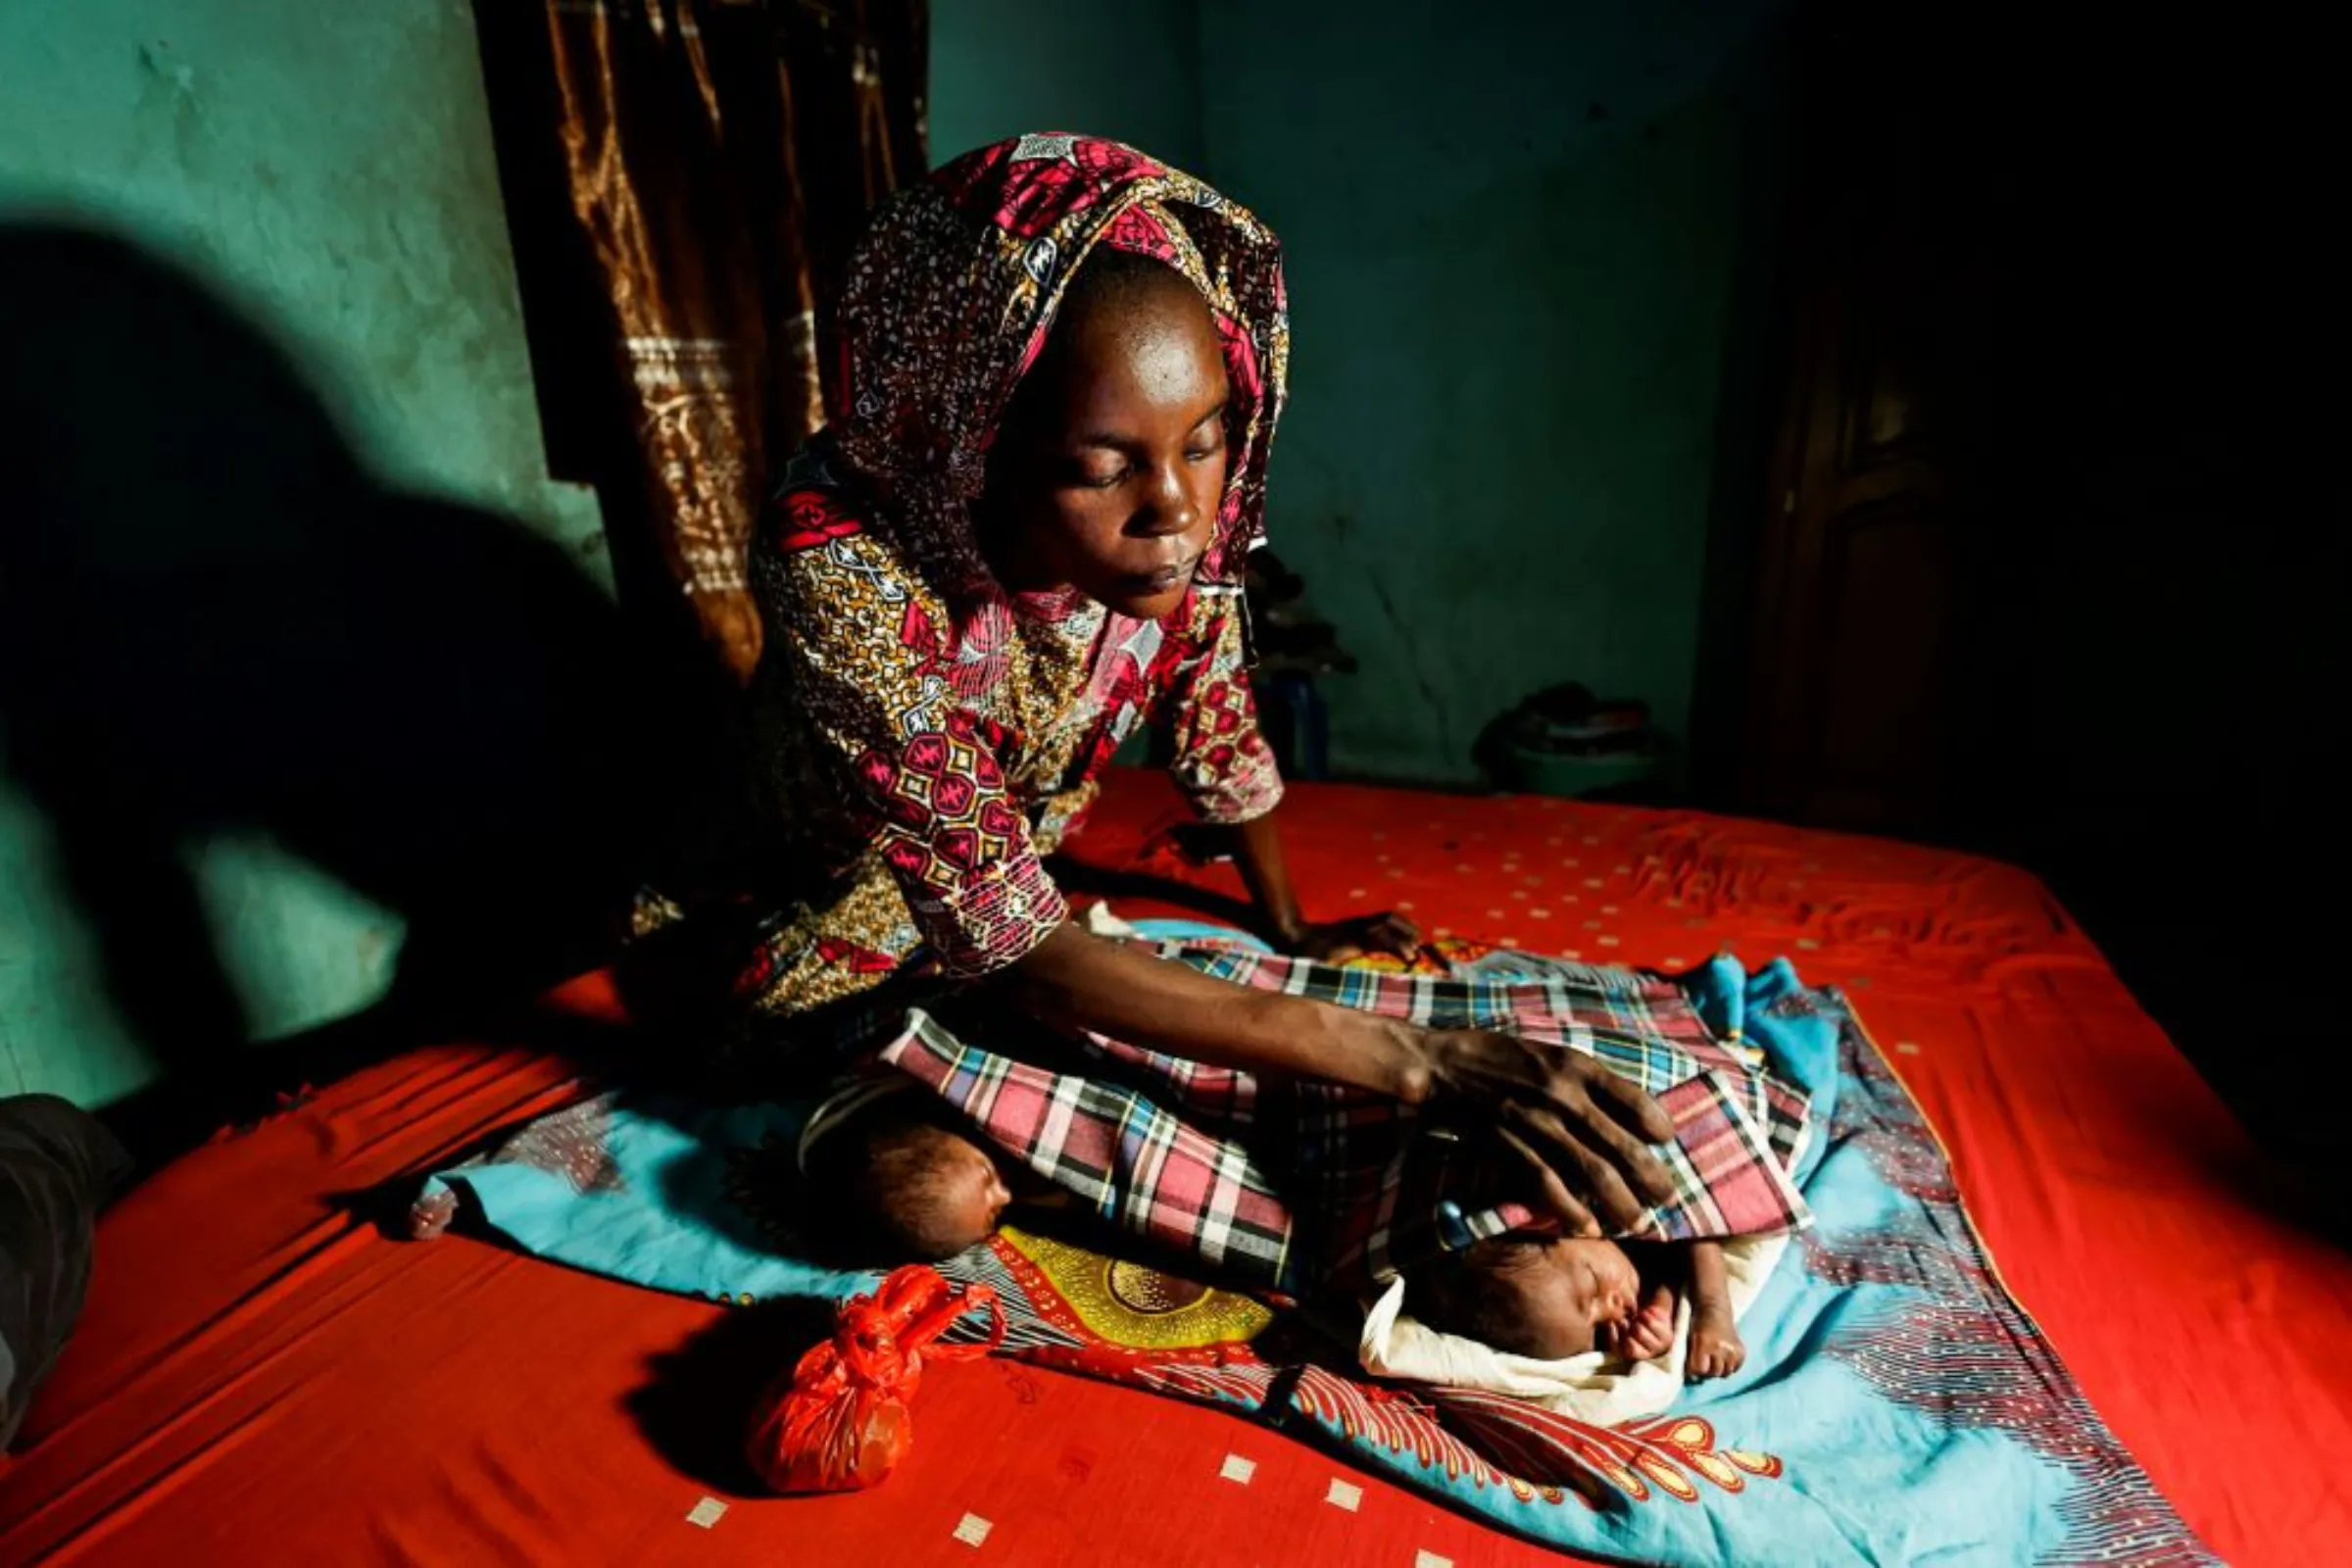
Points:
[263,1376]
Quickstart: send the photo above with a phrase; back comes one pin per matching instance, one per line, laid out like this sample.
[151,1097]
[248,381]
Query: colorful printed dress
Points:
[925,738]
[924,768]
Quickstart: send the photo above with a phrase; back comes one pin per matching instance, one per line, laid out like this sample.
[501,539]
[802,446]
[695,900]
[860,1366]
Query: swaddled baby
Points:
[1549,1298]
[901,1183]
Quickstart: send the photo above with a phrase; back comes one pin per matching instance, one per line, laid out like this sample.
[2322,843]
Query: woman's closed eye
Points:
[1208,436]
[1086,478]
[1094,477]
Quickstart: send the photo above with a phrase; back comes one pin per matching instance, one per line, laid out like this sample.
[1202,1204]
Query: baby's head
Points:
[899,1184]
[1109,472]
[1543,1297]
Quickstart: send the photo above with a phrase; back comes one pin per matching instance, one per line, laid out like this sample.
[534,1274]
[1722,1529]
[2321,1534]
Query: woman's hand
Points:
[1581,1129]
[1338,941]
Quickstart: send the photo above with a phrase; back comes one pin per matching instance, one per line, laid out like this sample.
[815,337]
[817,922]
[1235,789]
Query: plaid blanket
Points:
[1312,1186]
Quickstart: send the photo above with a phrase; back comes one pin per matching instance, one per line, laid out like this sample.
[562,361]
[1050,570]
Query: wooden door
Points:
[1861,574]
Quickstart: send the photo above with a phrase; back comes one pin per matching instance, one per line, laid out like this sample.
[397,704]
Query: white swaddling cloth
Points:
[1102,923]
[1592,1386]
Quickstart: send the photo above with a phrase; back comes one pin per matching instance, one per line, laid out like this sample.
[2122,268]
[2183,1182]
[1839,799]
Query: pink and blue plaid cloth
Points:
[1314,1187]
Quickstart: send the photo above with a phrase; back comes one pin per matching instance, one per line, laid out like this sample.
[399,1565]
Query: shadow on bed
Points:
[694,1406]
[1075,876]
[215,624]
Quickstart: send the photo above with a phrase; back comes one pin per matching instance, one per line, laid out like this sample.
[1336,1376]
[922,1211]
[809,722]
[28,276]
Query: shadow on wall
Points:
[213,618]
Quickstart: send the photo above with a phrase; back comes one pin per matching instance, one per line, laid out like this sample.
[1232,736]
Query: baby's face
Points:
[1568,1293]
[1597,1277]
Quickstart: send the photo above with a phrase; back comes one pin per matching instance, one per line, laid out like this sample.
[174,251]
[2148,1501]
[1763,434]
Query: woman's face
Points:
[1110,469]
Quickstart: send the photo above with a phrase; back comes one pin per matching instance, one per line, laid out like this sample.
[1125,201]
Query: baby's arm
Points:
[1716,1351]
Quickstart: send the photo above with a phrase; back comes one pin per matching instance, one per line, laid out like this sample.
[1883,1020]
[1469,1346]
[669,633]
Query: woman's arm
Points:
[1257,848]
[1075,978]
[1225,768]
[1580,1129]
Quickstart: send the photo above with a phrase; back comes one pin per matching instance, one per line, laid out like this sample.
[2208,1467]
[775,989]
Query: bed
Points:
[264,1374]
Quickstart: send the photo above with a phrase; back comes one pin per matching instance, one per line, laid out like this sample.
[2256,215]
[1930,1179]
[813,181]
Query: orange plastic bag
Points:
[840,1422]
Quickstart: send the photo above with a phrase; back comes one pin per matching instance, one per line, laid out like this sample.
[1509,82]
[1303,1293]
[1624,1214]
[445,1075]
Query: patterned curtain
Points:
[685,178]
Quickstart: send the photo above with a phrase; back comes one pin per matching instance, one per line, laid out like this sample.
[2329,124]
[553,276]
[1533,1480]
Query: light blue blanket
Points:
[1896,1406]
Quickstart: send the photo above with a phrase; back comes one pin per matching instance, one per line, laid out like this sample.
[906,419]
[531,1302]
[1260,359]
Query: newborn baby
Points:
[901,1184]
[898,1182]
[1548,1298]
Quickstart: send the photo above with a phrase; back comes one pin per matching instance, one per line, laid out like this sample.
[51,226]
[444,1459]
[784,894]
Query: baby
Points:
[901,1183]
[1548,1298]
[891,1179]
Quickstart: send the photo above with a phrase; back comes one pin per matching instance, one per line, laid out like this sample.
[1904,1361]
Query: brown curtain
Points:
[685,178]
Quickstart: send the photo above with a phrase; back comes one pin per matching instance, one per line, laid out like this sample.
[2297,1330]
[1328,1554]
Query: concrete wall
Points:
[310,192]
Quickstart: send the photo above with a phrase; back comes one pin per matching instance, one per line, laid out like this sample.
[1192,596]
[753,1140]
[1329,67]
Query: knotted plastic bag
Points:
[839,1423]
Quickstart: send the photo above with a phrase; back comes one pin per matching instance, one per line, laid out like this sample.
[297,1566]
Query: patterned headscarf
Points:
[950,295]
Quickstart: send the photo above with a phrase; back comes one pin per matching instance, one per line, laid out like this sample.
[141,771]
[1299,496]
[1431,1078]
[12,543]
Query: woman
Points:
[1063,365]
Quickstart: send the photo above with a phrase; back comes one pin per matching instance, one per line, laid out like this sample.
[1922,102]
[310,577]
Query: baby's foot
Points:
[1716,1351]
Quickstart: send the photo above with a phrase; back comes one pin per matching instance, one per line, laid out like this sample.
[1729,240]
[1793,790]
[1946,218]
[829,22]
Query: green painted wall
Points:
[1124,69]
[326,171]
[1516,240]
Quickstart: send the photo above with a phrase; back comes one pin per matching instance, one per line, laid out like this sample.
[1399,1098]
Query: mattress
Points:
[265,1374]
